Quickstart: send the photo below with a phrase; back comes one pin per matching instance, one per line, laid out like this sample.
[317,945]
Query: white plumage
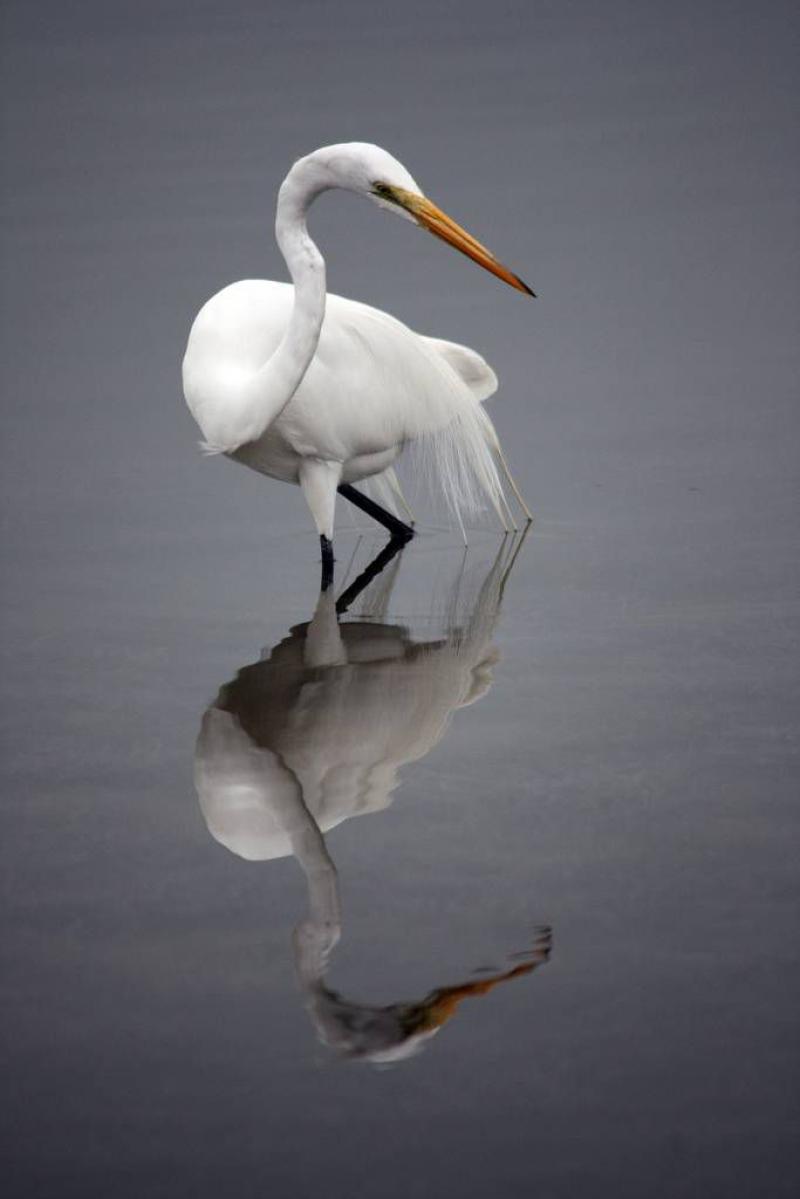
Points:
[320,390]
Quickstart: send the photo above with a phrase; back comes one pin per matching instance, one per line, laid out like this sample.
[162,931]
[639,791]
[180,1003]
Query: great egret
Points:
[322,391]
[316,733]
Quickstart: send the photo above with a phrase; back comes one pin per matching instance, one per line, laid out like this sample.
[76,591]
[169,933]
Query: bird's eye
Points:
[384,191]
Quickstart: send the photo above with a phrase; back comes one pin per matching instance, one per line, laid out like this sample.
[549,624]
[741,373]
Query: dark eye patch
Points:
[384,191]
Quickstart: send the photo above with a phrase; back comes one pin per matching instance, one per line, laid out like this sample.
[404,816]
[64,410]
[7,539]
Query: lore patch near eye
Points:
[385,192]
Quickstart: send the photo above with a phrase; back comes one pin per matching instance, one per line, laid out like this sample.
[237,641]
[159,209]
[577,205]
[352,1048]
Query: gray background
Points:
[632,776]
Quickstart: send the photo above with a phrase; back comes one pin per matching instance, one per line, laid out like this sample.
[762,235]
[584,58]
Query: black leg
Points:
[326,547]
[365,578]
[397,528]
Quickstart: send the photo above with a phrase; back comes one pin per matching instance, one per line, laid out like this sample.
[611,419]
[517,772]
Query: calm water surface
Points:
[488,884]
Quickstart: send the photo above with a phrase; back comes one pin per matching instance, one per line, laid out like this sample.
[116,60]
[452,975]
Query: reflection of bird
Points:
[315,733]
[325,394]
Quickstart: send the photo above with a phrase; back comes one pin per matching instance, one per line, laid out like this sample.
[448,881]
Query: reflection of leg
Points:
[374,602]
[365,578]
[395,526]
[326,547]
[322,645]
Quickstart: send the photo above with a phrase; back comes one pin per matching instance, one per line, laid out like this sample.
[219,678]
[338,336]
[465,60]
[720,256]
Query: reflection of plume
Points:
[316,731]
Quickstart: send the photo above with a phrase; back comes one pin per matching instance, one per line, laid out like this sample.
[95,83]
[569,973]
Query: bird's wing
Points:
[375,383]
[469,366]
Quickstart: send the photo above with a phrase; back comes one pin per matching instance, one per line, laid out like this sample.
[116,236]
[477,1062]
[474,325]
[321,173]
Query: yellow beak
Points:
[441,225]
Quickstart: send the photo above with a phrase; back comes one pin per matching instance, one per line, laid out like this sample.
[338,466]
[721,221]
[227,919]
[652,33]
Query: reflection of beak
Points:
[441,225]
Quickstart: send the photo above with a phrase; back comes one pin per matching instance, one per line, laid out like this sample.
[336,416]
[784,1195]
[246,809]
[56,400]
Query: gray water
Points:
[606,789]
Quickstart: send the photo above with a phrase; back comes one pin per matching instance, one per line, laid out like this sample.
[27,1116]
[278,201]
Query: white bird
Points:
[321,391]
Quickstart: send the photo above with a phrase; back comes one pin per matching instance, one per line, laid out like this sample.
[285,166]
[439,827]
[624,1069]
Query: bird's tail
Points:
[460,459]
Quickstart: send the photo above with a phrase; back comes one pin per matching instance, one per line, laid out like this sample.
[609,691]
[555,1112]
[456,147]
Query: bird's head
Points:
[371,171]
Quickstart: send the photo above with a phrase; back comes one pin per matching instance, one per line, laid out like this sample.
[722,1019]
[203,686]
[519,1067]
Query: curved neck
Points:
[278,379]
